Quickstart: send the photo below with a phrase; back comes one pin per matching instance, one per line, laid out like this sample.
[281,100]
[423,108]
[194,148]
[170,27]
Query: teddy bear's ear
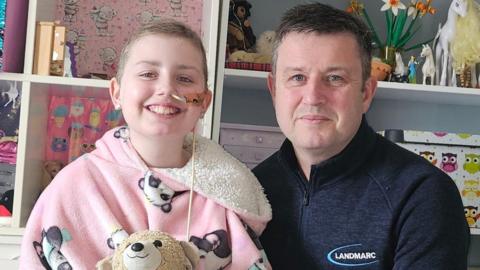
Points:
[192,253]
[104,264]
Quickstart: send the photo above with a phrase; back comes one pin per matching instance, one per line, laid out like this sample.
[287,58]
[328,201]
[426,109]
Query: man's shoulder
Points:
[391,162]
[268,166]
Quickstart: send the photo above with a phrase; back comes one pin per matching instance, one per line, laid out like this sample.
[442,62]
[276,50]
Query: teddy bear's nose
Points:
[137,247]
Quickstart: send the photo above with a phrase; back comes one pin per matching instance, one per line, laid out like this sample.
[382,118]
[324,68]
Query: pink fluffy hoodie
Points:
[102,197]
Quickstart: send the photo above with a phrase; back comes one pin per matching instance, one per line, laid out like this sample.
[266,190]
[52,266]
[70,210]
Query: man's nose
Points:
[315,92]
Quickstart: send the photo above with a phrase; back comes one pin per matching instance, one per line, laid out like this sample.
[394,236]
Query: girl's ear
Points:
[114,90]
[207,99]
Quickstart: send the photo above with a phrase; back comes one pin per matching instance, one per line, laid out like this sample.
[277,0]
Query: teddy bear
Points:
[152,250]
[243,56]
[239,34]
[50,170]
[265,42]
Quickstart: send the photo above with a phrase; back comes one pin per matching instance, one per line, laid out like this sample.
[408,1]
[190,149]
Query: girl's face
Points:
[158,67]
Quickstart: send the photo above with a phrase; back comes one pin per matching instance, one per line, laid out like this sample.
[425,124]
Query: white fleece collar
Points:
[221,177]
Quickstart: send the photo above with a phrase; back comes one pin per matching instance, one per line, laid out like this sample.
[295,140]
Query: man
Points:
[344,197]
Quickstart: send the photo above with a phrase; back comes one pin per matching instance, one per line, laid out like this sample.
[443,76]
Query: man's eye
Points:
[334,78]
[298,77]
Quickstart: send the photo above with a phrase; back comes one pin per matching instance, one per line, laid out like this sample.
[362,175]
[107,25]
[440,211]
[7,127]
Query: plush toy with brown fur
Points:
[243,56]
[152,250]
[50,169]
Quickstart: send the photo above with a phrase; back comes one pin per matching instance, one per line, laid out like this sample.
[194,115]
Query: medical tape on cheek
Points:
[191,98]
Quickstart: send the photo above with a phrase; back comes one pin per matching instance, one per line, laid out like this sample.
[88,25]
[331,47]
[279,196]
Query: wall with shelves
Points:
[244,98]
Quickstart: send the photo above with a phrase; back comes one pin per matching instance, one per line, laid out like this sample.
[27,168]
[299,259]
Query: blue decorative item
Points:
[412,70]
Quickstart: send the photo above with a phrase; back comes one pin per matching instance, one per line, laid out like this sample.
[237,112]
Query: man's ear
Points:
[114,90]
[369,89]
[271,86]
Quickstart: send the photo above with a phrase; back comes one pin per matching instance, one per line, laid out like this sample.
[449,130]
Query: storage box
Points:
[58,51]
[457,154]
[43,47]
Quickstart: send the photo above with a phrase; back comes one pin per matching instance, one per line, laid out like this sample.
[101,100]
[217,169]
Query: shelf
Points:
[5,76]
[11,231]
[428,93]
[256,80]
[69,81]
[79,83]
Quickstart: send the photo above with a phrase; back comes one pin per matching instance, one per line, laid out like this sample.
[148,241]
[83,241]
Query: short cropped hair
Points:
[168,27]
[324,19]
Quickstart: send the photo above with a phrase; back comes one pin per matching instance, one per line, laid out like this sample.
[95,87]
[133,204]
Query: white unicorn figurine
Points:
[399,66]
[12,94]
[400,72]
[428,68]
[445,35]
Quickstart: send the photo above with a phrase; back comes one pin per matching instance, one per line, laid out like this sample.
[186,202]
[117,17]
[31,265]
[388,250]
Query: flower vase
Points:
[387,54]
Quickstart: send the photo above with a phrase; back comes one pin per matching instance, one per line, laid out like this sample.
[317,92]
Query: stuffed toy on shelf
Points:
[50,170]
[240,34]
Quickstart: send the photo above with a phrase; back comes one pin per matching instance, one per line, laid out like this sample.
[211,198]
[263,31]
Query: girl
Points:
[139,176]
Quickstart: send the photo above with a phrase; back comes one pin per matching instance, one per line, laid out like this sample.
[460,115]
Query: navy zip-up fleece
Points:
[373,206]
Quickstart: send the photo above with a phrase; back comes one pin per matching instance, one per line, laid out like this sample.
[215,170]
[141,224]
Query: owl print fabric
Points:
[98,29]
[75,123]
[458,155]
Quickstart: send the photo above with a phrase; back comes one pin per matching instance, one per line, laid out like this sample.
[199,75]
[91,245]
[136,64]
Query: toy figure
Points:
[240,34]
[412,70]
[50,170]
[399,73]
[445,36]
[428,68]
[152,250]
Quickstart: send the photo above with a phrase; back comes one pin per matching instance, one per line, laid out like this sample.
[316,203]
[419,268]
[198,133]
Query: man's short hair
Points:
[324,19]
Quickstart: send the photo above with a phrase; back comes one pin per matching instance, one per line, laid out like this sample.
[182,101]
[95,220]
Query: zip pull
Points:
[306,198]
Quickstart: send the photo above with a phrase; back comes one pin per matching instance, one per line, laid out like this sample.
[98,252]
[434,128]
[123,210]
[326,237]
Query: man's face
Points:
[317,91]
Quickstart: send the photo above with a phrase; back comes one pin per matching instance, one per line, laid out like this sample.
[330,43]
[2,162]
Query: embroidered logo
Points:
[351,256]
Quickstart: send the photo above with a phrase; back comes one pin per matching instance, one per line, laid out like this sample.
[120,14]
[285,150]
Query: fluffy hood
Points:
[218,175]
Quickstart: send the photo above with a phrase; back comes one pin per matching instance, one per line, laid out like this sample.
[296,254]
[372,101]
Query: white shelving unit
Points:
[35,93]
[256,80]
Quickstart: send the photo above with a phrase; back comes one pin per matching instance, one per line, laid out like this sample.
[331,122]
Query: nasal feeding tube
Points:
[193,98]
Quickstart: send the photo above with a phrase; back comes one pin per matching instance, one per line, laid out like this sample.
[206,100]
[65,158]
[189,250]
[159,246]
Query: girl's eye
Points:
[149,75]
[185,79]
